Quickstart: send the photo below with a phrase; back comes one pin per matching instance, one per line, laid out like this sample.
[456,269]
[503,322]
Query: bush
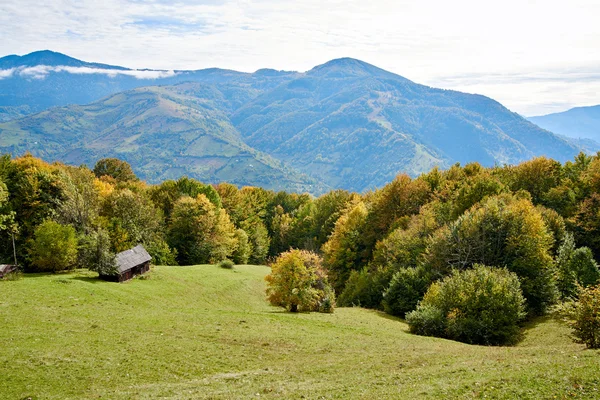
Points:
[586,324]
[298,283]
[505,230]
[364,289]
[407,287]
[13,276]
[95,254]
[480,306]
[227,264]
[54,247]
[575,267]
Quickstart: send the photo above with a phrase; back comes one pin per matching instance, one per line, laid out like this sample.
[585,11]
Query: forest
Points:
[467,253]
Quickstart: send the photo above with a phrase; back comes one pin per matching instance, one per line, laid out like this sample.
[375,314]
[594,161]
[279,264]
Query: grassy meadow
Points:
[205,332]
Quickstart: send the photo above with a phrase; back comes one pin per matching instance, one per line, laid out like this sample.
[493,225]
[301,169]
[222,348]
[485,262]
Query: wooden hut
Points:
[6,269]
[130,263]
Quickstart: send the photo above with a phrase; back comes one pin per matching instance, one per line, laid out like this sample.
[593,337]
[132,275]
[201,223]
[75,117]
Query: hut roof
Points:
[7,268]
[132,258]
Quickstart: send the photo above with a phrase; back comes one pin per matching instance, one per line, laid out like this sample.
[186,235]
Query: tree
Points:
[133,219]
[199,232]
[502,231]
[95,253]
[586,317]
[479,306]
[298,282]
[119,170]
[343,251]
[81,202]
[243,251]
[54,247]
[575,267]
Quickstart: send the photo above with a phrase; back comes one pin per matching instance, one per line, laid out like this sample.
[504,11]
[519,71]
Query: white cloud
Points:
[6,73]
[426,41]
[41,71]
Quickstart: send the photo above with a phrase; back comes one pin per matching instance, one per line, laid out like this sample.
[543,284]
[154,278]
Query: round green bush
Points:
[364,288]
[480,306]
[407,287]
[227,264]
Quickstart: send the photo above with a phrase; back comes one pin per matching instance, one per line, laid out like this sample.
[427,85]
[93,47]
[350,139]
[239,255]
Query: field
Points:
[205,332]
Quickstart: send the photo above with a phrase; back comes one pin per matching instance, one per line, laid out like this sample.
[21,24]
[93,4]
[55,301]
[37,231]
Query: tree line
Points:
[538,221]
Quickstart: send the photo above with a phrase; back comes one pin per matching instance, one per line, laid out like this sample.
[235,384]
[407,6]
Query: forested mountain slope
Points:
[344,124]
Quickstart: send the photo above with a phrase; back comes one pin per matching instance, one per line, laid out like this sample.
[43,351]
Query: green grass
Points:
[207,332]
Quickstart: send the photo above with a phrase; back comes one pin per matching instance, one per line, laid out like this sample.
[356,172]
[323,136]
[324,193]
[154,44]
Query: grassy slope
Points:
[203,332]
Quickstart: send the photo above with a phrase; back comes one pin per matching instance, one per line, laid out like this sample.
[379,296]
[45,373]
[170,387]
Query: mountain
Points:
[354,125]
[578,123]
[44,79]
[344,124]
[163,132]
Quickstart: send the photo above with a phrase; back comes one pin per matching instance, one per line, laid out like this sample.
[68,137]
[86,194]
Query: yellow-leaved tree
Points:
[298,283]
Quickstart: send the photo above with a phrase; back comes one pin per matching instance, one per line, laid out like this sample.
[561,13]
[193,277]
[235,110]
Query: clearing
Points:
[205,332]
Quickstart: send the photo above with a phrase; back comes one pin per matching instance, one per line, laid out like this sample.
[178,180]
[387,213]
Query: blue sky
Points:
[535,57]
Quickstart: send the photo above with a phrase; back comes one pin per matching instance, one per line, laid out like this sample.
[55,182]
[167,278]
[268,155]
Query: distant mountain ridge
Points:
[577,123]
[343,124]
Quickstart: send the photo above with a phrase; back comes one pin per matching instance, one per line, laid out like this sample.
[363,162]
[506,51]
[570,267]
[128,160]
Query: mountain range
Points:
[581,124]
[344,124]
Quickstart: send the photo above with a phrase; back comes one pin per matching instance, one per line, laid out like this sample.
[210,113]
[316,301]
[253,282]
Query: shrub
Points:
[505,230]
[298,283]
[364,288]
[480,306]
[586,323]
[407,287]
[227,264]
[54,247]
[575,267]
[95,254]
[13,276]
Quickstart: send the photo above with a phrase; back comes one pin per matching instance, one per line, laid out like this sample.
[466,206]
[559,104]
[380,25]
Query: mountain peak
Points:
[350,67]
[47,57]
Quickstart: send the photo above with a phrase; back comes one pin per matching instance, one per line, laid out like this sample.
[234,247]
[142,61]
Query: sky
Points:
[535,57]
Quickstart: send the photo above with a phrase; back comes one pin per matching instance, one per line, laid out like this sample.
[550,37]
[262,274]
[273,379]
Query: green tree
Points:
[133,219]
[95,253]
[54,247]
[480,306]
[501,231]
[81,203]
[586,317]
[199,232]
[575,267]
[243,251]
[117,169]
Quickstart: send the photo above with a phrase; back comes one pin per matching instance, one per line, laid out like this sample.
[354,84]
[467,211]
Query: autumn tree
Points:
[200,232]
[53,247]
[298,282]
[117,169]
[344,250]
[504,231]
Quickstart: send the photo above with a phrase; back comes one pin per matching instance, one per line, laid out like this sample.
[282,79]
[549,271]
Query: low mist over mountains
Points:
[344,124]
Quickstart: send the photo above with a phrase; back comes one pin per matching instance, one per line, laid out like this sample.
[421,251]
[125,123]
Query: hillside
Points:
[205,332]
[45,79]
[345,124]
[356,126]
[577,123]
[164,132]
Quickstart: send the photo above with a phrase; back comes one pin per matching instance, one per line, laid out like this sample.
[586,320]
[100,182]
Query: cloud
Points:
[426,41]
[41,71]
[6,73]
